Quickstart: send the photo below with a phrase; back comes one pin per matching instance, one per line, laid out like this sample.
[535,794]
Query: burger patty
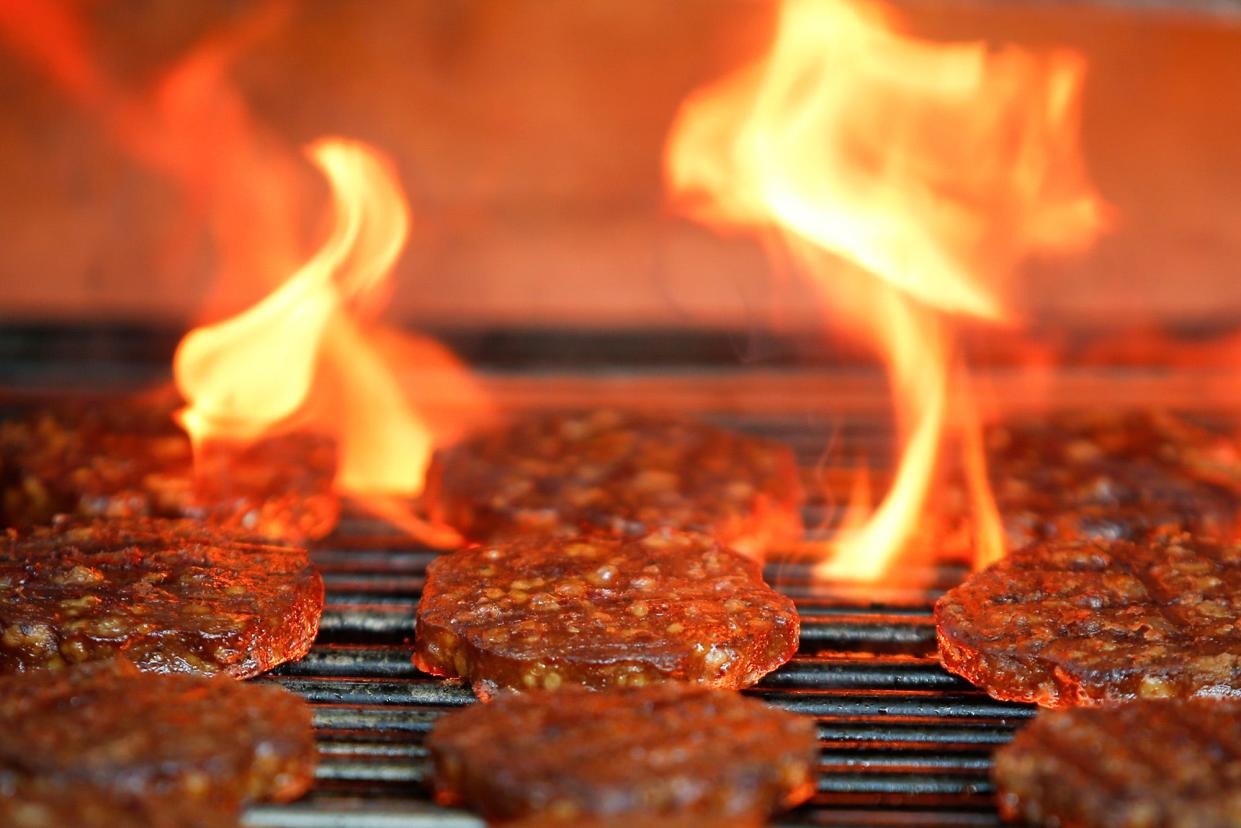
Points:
[169,596]
[619,472]
[1087,622]
[1170,763]
[1112,475]
[107,745]
[542,611]
[128,458]
[670,751]
[30,804]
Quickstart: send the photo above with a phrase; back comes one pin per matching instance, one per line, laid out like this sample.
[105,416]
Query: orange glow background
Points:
[528,137]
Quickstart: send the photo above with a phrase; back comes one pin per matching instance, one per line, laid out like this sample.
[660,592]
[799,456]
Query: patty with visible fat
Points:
[1169,763]
[672,754]
[545,611]
[107,745]
[1112,475]
[168,596]
[623,473]
[127,457]
[1091,621]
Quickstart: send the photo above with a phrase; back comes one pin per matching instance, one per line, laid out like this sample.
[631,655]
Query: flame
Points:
[308,356]
[908,179]
[301,358]
[246,373]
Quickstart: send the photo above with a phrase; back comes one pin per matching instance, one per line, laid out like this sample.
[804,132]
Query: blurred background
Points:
[528,135]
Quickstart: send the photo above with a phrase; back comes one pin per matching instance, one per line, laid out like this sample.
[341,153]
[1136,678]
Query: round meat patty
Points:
[624,473]
[543,611]
[108,745]
[1112,475]
[1086,622]
[125,458]
[670,751]
[169,596]
[1171,763]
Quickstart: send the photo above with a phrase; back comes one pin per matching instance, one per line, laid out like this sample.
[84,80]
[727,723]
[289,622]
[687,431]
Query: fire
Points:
[908,179]
[309,356]
[302,358]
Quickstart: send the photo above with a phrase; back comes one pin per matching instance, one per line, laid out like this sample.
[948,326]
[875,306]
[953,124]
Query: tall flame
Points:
[908,178]
[300,357]
[246,373]
[308,356]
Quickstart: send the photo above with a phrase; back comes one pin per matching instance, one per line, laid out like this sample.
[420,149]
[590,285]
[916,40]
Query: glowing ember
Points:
[908,178]
[300,359]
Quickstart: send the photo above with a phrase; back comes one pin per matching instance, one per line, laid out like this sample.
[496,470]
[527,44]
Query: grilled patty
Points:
[619,472]
[1172,763]
[1112,475]
[1086,622]
[672,751]
[107,745]
[128,458]
[169,596]
[542,611]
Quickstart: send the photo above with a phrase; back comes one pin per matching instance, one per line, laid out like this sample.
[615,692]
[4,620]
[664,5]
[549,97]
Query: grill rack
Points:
[903,743]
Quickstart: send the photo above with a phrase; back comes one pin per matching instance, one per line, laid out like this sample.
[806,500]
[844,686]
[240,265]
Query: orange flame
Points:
[299,358]
[930,169]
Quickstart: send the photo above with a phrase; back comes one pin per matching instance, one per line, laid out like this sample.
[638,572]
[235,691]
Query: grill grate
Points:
[903,742]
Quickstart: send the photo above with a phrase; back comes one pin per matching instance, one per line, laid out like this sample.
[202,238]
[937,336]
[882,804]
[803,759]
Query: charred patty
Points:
[1086,622]
[124,458]
[1112,475]
[107,745]
[619,472]
[672,752]
[545,611]
[169,596]
[1142,764]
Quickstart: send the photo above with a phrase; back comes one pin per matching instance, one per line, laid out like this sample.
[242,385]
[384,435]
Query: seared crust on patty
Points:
[671,752]
[169,596]
[1171,763]
[624,473]
[1087,622]
[127,458]
[105,742]
[1112,475]
[542,611]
